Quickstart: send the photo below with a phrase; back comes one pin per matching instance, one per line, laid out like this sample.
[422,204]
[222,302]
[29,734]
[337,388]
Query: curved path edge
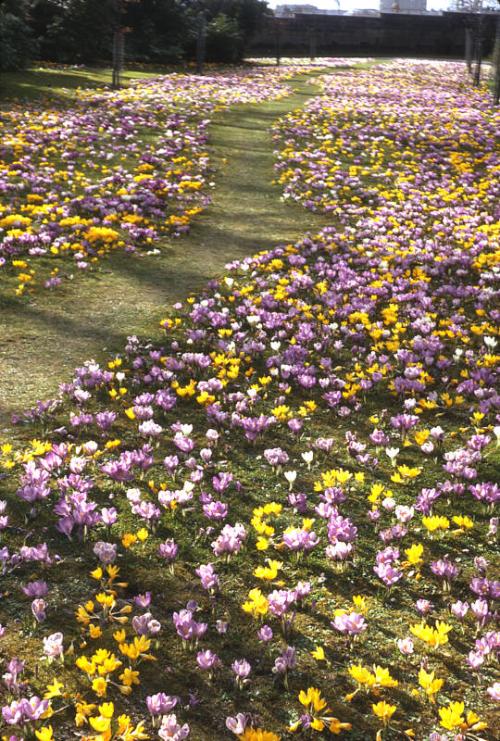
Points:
[43,340]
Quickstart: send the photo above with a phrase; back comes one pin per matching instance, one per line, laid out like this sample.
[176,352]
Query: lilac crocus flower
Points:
[161,703]
[459,609]
[387,573]
[280,601]
[168,551]
[494,691]
[208,661]
[339,551]
[237,724]
[187,627]
[170,730]
[480,610]
[405,646]
[285,663]
[446,570]
[350,623]
[298,540]
[424,606]
[241,669]
[24,710]
[143,600]
[105,552]
[215,510]
[15,668]
[146,625]
[265,633]
[276,457]
[53,646]
[208,577]
[38,609]
[230,540]
[36,589]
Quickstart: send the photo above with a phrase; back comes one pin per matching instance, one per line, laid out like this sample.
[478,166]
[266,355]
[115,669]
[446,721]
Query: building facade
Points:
[403,6]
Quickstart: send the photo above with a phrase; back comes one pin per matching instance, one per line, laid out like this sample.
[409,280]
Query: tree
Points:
[16,44]
[222,28]
[224,39]
[76,31]
[473,35]
[496,63]
[158,30]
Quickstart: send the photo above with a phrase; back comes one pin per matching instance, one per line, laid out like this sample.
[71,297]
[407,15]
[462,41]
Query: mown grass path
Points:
[42,340]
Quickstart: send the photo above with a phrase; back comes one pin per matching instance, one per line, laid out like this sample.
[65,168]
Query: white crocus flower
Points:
[308,458]
[496,432]
[392,454]
[290,477]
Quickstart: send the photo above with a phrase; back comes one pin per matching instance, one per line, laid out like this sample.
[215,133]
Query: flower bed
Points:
[283,518]
[117,170]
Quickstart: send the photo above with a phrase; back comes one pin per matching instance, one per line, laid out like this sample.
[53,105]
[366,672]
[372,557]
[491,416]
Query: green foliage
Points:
[158,31]
[16,44]
[224,39]
[78,31]
[231,25]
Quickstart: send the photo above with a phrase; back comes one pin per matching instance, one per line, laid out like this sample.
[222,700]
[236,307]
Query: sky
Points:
[352,4]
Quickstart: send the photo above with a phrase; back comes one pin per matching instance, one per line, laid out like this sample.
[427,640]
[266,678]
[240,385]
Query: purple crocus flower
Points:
[160,704]
[208,577]
[38,609]
[105,552]
[171,730]
[350,623]
[207,660]
[265,634]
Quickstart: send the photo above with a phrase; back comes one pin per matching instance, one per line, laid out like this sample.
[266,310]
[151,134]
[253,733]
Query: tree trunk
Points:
[312,44]
[118,43]
[277,38]
[496,65]
[118,56]
[478,50]
[201,43]
[468,48]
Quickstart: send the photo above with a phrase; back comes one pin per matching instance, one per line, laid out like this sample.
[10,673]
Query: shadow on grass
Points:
[128,294]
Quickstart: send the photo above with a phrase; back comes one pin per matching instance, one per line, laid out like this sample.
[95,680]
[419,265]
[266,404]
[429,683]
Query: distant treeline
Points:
[156,31]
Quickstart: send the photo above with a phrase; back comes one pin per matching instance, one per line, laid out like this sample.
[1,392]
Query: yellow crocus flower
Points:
[384,711]
[451,716]
[429,683]
[45,734]
[318,653]
[414,554]
[257,604]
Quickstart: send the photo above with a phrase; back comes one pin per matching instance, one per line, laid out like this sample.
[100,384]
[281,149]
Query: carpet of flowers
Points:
[116,170]
[281,522]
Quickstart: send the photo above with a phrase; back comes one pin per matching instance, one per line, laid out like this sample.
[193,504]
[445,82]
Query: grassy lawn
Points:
[38,82]
[248,331]
[91,316]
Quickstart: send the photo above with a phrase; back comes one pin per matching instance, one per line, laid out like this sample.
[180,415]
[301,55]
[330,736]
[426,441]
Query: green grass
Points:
[39,82]
[47,336]
[43,338]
